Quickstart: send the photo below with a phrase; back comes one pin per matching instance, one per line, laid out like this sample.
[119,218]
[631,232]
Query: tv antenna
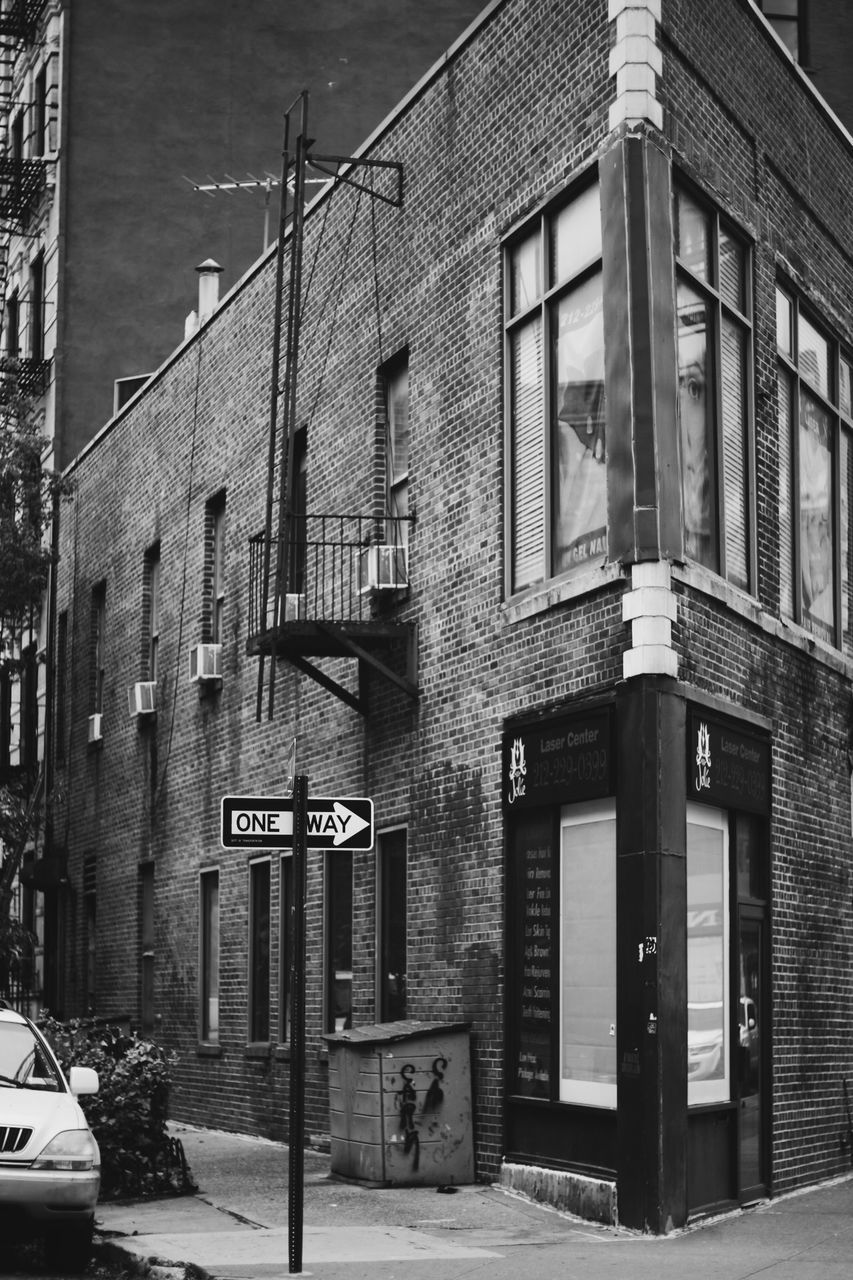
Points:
[250,183]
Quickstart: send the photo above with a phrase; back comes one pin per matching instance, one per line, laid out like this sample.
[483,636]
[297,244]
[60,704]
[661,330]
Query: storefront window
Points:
[588,954]
[708,1075]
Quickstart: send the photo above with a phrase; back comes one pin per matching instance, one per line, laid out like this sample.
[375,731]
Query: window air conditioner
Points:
[294,607]
[95,734]
[205,662]
[141,698]
[383,568]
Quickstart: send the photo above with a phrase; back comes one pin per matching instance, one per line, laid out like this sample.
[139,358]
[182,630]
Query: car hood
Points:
[42,1112]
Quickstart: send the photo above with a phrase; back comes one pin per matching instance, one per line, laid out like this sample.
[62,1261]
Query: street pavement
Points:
[236,1227]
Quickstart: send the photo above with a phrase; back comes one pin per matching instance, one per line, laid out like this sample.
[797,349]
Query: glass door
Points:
[750,1057]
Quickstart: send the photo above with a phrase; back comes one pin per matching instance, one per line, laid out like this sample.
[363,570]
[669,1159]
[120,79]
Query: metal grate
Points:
[13,1138]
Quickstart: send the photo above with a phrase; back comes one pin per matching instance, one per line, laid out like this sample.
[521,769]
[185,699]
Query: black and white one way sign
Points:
[266,822]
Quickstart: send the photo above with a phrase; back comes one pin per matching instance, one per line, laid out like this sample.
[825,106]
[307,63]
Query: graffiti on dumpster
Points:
[407,1103]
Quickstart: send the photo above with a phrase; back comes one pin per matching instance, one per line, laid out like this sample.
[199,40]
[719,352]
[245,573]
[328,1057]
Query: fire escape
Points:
[22,180]
[323,585]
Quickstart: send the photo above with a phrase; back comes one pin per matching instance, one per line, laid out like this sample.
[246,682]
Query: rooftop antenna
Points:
[250,183]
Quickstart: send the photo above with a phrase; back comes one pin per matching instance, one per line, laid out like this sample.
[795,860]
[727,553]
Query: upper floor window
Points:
[816,473]
[152,569]
[714,389]
[37,307]
[554,329]
[396,387]
[216,565]
[787,18]
[98,626]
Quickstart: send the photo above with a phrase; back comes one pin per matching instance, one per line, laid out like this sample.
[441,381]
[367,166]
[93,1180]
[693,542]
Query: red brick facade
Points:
[508,123]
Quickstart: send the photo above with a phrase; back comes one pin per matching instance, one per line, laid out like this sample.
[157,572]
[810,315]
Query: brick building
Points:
[565,590]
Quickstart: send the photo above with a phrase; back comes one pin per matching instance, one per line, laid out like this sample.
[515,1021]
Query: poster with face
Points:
[580,498]
[816,517]
[696,455]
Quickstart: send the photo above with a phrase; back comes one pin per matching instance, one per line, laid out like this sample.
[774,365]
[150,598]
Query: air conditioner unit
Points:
[383,568]
[95,734]
[205,662]
[294,607]
[141,698]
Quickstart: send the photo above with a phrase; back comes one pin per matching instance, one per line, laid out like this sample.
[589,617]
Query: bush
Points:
[128,1114]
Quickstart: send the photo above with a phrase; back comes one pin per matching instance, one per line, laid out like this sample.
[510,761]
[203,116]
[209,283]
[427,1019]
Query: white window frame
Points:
[587,1092]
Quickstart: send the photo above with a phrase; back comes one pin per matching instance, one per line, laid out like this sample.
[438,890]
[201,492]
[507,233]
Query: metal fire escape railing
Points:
[21,180]
[341,567]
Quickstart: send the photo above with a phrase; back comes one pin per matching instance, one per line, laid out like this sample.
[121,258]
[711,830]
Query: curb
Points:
[150,1268]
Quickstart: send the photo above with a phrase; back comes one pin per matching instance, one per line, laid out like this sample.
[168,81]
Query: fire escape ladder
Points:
[332,593]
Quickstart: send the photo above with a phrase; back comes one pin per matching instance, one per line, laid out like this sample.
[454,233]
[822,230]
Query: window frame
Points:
[152,611]
[717,1090]
[214,576]
[390,843]
[146,947]
[539,231]
[396,388]
[259,953]
[286,946]
[209,961]
[336,857]
[720,309]
[789,367]
[98,647]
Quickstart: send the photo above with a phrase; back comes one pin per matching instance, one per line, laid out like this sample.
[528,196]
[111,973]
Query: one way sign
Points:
[266,822]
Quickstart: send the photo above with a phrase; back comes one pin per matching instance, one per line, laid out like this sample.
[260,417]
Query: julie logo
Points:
[517,771]
[703,759]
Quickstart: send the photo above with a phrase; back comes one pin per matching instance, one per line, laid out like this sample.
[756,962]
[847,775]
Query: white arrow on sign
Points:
[341,825]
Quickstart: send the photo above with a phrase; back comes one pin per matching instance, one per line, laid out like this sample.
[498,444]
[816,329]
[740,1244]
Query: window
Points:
[816,474]
[152,574]
[708,1017]
[555,362]
[39,142]
[146,913]
[37,308]
[396,388]
[216,526]
[61,683]
[286,939]
[714,396]
[259,951]
[209,959]
[787,20]
[391,948]
[588,954]
[90,915]
[298,486]
[13,321]
[338,940]
[99,608]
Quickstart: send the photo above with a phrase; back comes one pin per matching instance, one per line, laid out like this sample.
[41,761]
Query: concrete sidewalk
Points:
[236,1228]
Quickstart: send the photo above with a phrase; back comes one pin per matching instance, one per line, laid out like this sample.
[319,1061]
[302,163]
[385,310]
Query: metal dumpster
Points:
[400,1110]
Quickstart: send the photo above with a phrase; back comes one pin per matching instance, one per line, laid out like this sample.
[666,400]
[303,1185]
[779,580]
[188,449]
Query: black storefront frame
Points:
[567,757]
[728,767]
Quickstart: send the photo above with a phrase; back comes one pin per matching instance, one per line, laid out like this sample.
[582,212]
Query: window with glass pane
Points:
[714,371]
[396,388]
[815,481]
[152,567]
[588,954]
[210,956]
[217,515]
[555,362]
[259,951]
[338,940]
[391,947]
[784,17]
[708,1070]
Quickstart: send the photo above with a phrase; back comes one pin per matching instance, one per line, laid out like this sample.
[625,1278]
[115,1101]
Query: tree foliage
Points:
[27,491]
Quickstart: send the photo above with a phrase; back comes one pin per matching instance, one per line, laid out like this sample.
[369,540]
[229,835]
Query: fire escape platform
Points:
[312,639]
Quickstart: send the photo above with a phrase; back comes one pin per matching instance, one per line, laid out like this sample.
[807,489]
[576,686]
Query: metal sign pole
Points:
[296,1186]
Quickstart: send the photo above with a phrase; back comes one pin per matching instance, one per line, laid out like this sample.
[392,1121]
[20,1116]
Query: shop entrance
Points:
[727,1026]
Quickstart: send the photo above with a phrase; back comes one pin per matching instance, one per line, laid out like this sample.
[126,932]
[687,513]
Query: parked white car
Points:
[50,1165]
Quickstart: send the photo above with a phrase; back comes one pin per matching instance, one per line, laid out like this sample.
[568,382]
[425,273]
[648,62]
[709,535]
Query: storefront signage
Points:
[727,767]
[534,911]
[558,762]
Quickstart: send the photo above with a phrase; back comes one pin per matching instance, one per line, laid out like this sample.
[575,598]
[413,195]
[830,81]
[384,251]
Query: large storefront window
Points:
[714,372]
[815,419]
[588,954]
[708,1051]
[555,358]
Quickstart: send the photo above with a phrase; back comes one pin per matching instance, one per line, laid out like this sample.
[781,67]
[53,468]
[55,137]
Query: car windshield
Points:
[23,1062]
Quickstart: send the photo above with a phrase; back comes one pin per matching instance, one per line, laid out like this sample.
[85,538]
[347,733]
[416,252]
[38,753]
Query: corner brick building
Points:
[566,593]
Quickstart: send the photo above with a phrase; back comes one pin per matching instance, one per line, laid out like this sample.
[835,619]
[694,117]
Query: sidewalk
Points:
[236,1228]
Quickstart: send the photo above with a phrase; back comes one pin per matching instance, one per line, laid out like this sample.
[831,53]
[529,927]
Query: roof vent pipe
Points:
[208,288]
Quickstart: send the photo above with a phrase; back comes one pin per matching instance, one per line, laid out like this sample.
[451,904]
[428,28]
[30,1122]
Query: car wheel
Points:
[68,1247]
